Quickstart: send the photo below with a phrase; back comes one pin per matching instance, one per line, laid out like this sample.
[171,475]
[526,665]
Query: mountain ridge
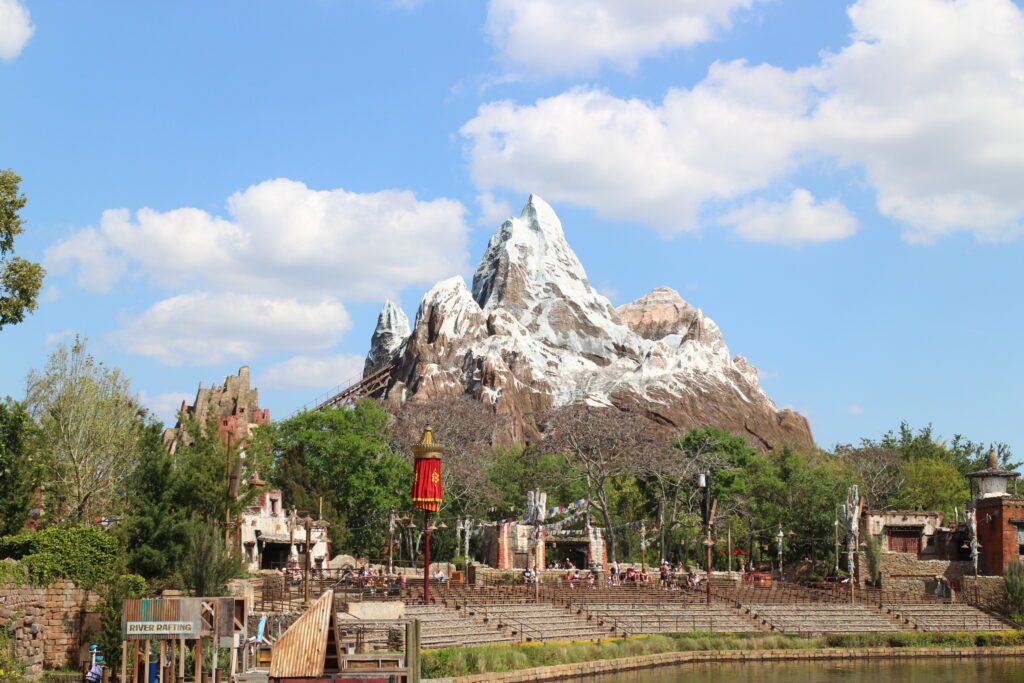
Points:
[532,334]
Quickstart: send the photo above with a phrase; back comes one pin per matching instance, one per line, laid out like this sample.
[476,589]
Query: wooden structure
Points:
[314,649]
[166,629]
[368,386]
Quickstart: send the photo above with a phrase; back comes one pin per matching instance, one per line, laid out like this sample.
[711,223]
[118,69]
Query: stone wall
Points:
[905,571]
[990,593]
[47,623]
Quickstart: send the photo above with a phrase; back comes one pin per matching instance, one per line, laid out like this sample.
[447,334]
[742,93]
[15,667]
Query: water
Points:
[939,670]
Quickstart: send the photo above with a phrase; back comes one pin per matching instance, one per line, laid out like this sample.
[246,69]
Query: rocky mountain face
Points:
[391,332]
[532,334]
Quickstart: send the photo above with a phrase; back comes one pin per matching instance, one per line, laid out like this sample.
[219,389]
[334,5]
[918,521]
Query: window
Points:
[1020,539]
[273,506]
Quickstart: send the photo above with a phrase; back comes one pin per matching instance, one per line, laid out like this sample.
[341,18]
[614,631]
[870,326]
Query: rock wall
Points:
[47,623]
[907,572]
[990,593]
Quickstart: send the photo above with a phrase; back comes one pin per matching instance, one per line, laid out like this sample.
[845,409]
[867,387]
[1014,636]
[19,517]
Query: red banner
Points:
[426,484]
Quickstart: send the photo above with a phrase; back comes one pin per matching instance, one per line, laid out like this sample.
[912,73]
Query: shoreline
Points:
[559,672]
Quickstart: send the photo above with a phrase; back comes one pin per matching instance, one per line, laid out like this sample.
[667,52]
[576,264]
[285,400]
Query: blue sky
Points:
[837,185]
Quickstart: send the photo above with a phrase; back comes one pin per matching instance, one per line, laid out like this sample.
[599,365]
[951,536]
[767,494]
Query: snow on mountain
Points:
[533,334]
[391,332]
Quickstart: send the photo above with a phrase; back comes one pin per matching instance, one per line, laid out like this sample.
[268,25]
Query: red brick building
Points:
[999,516]
[1000,532]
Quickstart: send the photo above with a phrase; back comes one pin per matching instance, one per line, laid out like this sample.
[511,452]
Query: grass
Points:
[462,661]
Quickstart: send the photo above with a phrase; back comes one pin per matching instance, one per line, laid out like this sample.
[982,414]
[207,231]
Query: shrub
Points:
[208,563]
[12,669]
[115,592]
[460,563]
[1013,579]
[85,555]
[874,556]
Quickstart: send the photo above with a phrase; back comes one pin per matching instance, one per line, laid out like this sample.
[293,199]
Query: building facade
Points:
[273,537]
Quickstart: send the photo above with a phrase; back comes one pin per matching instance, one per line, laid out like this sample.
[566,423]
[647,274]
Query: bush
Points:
[12,669]
[460,563]
[119,589]
[88,556]
[874,556]
[1013,579]
[208,563]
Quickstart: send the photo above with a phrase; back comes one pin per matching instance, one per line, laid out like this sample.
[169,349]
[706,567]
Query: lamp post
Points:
[708,512]
[426,493]
[836,525]
[308,524]
[392,520]
[778,539]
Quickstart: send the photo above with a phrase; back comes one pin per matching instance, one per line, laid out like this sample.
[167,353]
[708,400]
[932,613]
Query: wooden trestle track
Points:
[367,387]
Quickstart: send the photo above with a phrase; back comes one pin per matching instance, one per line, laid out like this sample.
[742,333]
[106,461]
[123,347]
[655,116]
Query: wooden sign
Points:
[156,629]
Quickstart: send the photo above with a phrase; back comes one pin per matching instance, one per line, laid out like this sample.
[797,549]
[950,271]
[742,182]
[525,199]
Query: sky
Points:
[839,185]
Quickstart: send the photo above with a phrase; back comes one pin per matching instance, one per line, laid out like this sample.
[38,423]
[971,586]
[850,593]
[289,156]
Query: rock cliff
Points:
[532,334]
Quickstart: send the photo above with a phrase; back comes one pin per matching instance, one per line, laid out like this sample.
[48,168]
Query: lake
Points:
[978,670]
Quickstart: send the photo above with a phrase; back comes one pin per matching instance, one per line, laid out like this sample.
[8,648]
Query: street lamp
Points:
[779,537]
[426,493]
[708,513]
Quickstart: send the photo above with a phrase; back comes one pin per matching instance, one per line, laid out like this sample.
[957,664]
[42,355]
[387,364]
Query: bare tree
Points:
[674,469]
[877,470]
[466,428]
[91,430]
[605,443]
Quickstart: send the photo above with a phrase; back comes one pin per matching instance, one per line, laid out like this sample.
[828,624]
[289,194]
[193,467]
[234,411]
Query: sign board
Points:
[150,629]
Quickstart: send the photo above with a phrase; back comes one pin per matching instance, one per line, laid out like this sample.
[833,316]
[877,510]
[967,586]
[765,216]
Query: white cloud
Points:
[202,328]
[15,28]
[493,212]
[54,338]
[855,409]
[926,100]
[568,36]
[736,132]
[279,237]
[280,261]
[165,406]
[98,268]
[799,220]
[313,372]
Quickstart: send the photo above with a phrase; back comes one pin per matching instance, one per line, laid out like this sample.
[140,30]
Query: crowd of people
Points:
[667,576]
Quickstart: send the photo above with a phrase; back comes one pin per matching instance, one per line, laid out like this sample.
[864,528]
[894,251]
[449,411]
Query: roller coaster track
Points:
[366,387]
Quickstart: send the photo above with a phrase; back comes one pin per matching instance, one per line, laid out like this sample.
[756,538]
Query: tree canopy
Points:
[20,280]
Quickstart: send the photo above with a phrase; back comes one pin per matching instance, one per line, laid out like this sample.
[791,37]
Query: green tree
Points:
[342,456]
[933,484]
[91,427]
[20,280]
[209,563]
[18,475]
[168,495]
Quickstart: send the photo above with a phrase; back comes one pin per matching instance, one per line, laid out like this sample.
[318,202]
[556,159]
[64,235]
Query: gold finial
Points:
[993,459]
[426,448]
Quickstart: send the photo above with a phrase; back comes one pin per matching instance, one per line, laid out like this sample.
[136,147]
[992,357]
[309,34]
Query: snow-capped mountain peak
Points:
[533,334]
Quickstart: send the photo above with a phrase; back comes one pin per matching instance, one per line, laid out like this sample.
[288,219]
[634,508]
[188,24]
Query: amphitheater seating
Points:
[669,617]
[442,627]
[946,617]
[822,618]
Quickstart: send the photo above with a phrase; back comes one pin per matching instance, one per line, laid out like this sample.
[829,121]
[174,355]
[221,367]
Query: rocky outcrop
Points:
[234,404]
[391,332]
[533,334]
